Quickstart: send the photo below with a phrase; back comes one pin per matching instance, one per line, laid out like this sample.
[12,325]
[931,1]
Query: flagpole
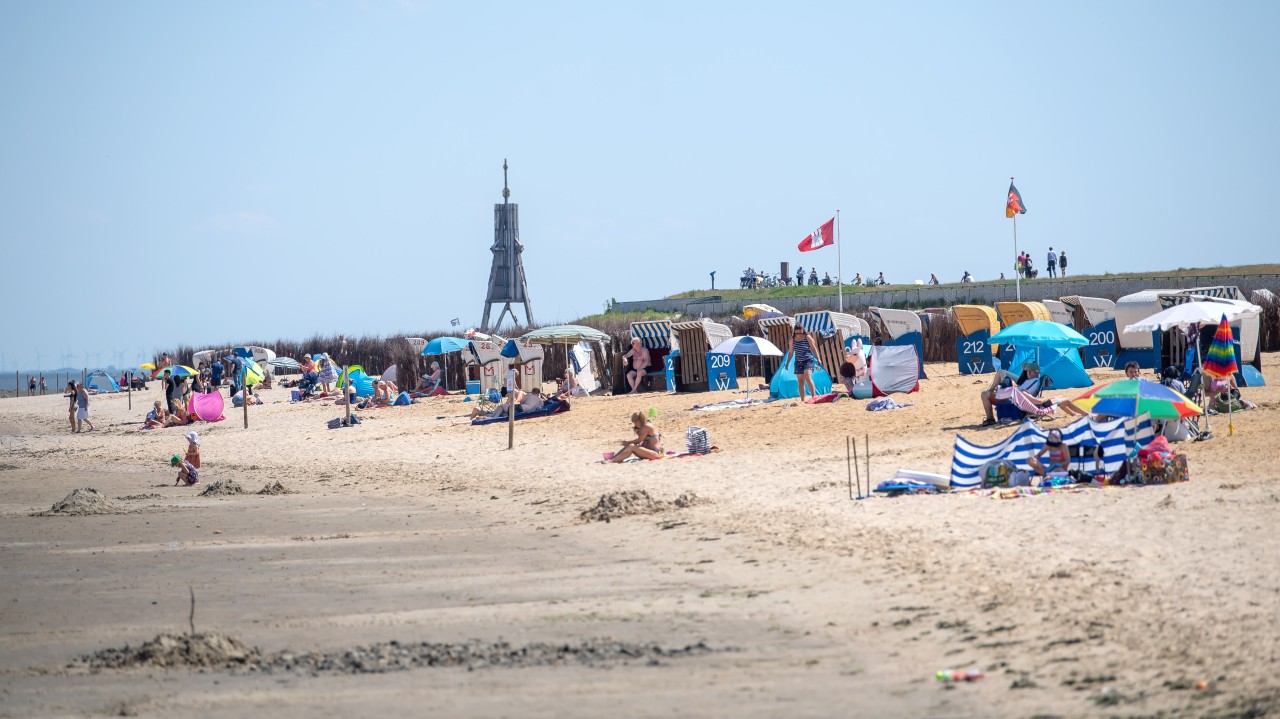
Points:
[839,266]
[1017,275]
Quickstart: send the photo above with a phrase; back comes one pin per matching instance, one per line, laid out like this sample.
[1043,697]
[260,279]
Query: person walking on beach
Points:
[82,408]
[71,404]
[43,387]
[802,345]
[1052,261]
[31,385]
[1062,263]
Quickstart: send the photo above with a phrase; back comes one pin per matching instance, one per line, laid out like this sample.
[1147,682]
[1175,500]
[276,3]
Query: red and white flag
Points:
[822,237]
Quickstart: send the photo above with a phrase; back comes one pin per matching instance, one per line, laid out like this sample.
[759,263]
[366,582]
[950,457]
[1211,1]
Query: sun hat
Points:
[173,461]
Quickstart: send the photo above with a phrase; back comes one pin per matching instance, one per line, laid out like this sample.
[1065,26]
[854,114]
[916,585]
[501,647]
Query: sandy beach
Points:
[772,594]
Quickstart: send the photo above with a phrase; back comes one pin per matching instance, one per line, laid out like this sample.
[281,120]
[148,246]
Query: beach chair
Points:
[1007,411]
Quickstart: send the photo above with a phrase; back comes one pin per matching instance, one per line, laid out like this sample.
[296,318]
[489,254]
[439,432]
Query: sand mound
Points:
[634,501]
[83,502]
[222,488]
[210,649]
[274,488]
[219,651]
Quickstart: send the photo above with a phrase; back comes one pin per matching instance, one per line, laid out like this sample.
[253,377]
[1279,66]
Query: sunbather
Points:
[157,417]
[640,359]
[1054,452]
[430,383]
[499,410]
[568,385]
[647,443]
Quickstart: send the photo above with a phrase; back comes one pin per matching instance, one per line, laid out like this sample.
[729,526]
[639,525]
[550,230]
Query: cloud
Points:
[245,223]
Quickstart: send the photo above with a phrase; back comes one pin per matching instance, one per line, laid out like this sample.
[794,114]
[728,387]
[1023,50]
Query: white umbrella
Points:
[747,345]
[1199,312]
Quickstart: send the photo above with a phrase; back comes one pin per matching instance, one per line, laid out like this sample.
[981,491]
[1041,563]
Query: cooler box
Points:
[473,386]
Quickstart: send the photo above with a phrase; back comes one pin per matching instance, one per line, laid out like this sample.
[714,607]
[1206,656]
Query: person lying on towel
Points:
[530,401]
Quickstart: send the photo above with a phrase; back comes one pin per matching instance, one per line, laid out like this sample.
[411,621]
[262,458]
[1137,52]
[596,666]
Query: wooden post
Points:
[244,390]
[346,392]
[868,462]
[511,406]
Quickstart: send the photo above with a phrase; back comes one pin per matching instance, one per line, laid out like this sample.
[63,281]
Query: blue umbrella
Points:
[445,345]
[510,350]
[1039,332]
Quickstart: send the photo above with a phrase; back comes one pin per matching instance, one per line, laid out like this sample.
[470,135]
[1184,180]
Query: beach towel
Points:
[727,404]
[882,404]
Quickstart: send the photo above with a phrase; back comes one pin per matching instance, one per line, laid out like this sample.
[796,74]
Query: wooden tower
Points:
[507,285]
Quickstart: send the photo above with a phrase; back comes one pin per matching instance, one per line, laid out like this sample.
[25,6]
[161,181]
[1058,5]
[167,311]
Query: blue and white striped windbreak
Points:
[653,335]
[1115,436]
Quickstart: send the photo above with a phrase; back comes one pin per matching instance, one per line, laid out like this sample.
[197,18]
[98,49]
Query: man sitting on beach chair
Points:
[640,361]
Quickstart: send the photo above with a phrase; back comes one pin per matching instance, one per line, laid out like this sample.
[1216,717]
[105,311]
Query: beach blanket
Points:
[667,455]
[554,406]
[1020,492]
[881,404]
[897,486]
[727,404]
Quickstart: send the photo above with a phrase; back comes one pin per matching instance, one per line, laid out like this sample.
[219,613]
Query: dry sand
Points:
[772,594]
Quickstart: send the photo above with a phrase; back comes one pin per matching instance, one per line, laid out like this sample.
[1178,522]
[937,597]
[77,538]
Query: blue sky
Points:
[198,173]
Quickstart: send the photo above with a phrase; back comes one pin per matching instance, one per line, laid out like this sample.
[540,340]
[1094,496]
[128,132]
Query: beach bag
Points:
[696,440]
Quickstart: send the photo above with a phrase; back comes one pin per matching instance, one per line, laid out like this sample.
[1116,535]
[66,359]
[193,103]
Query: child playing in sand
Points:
[646,445]
[186,473]
[193,449]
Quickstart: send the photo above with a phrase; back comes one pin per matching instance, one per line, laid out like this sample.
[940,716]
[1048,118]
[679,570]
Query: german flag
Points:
[1014,205]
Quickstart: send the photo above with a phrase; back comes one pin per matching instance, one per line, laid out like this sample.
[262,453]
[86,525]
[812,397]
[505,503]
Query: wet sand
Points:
[416,527]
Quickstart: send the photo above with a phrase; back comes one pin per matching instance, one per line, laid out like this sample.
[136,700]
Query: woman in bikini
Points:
[1055,455]
[646,445]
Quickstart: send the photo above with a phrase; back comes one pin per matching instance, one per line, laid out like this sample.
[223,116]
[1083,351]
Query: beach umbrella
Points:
[749,311]
[1220,363]
[1039,332]
[565,334]
[179,370]
[1132,397]
[284,363]
[758,346]
[147,365]
[445,345]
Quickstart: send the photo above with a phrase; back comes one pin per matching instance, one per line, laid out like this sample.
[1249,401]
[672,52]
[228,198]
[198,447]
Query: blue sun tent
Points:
[1060,364]
[784,385]
[101,382]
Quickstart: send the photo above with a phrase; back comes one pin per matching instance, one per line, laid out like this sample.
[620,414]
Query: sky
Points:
[202,173]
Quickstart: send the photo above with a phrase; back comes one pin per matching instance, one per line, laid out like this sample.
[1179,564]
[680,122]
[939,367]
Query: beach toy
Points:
[653,412]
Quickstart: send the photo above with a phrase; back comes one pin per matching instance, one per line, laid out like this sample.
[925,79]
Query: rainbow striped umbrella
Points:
[1220,360]
[1132,397]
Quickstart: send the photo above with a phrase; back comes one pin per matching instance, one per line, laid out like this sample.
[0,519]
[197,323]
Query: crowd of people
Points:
[755,279]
